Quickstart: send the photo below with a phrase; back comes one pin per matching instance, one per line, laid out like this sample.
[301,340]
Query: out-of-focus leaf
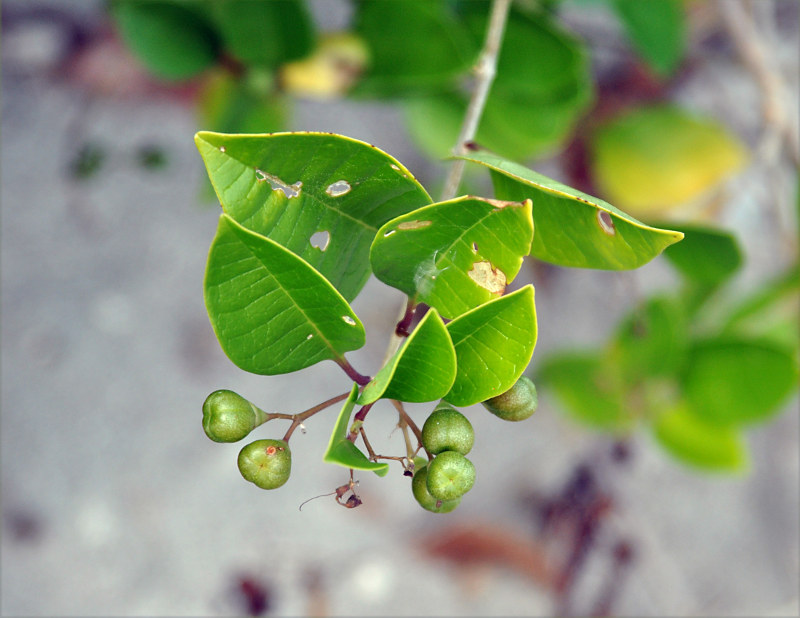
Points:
[573,228]
[320,195]
[738,381]
[415,46]
[707,255]
[264,32]
[653,159]
[695,442]
[541,88]
[772,312]
[344,453]
[422,370]
[590,391]
[271,311]
[330,71]
[494,344]
[171,39]
[231,105]
[652,340]
[454,255]
[657,29]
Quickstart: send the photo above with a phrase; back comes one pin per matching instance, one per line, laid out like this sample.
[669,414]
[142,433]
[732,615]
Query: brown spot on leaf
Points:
[488,277]
[606,223]
[413,225]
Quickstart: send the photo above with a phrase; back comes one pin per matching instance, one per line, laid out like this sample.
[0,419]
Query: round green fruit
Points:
[420,489]
[267,463]
[229,417]
[446,429]
[517,403]
[450,476]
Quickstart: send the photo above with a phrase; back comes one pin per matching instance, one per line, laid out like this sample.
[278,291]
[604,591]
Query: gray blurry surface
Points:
[115,503]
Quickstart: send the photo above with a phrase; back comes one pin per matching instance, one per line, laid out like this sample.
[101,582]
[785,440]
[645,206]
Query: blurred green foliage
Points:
[697,388]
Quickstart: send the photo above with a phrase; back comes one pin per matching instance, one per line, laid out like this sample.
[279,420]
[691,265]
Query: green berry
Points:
[267,463]
[517,403]
[426,500]
[446,429]
[450,476]
[229,417]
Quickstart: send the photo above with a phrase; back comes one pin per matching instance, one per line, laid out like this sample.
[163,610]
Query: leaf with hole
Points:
[729,381]
[172,40]
[573,228]
[693,441]
[454,255]
[271,311]
[494,344]
[342,451]
[423,369]
[289,186]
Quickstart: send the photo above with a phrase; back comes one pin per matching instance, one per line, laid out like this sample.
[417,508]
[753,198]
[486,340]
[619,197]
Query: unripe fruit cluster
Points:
[439,486]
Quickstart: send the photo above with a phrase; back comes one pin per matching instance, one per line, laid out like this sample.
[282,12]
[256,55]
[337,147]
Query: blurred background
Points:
[115,503]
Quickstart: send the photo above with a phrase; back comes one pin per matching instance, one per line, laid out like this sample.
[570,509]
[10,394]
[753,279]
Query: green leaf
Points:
[661,157]
[232,105]
[265,32]
[422,370]
[494,344]
[738,381]
[415,45]
[271,311]
[322,196]
[170,39]
[770,313]
[454,255]
[542,86]
[344,453]
[589,389]
[573,228]
[693,441]
[657,29]
[652,340]
[706,254]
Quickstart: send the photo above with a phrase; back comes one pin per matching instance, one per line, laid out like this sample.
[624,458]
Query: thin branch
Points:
[402,326]
[297,419]
[410,422]
[371,452]
[358,421]
[485,71]
[354,375]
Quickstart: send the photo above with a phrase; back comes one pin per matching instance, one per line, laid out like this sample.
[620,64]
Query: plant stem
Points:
[485,71]
[297,419]
[359,379]
[410,422]
[359,418]
[363,433]
[401,330]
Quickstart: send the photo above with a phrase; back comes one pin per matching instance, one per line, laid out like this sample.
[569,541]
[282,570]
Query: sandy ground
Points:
[115,503]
